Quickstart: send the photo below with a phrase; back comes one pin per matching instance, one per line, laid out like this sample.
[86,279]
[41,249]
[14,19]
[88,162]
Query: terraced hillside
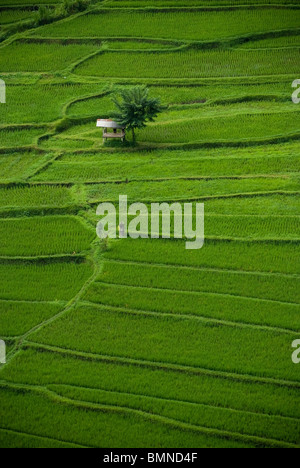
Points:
[141,343]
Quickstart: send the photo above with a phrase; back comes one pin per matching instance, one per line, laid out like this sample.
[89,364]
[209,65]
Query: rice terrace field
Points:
[140,342]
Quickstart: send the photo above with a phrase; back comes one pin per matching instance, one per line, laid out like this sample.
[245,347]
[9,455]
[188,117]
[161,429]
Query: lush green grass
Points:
[12,439]
[132,45]
[26,2]
[44,368]
[196,155]
[246,227]
[12,15]
[263,96]
[195,189]
[246,256]
[172,340]
[20,137]
[273,205]
[18,318]
[195,25]
[43,57]
[251,227]
[60,143]
[216,91]
[259,204]
[133,429]
[220,282]
[219,418]
[286,41]
[244,109]
[192,64]
[192,3]
[35,196]
[42,282]
[237,127]
[43,236]
[18,166]
[92,106]
[101,171]
[161,337]
[204,305]
[40,103]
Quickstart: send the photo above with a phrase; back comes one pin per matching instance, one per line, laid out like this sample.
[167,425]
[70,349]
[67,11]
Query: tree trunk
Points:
[133,136]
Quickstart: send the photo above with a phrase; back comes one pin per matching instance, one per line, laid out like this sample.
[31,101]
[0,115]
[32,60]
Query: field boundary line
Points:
[279,175]
[68,257]
[200,318]
[12,127]
[226,143]
[225,196]
[172,400]
[201,293]
[10,211]
[156,418]
[69,306]
[24,301]
[10,338]
[163,365]
[200,268]
[170,420]
[29,27]
[253,241]
[27,434]
[174,44]
[73,101]
[223,115]
[217,8]
[186,151]
[50,394]
[178,82]
[72,67]
[230,42]
[44,166]
[148,79]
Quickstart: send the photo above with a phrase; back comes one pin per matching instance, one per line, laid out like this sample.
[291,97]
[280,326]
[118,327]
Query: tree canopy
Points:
[136,108]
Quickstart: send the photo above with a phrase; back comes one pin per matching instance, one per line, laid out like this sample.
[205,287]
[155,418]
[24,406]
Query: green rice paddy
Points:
[142,343]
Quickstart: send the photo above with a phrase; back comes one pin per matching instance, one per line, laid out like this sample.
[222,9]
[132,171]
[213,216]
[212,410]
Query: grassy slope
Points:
[200,26]
[90,327]
[192,64]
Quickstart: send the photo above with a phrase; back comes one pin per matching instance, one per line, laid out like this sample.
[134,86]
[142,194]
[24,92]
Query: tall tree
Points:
[136,108]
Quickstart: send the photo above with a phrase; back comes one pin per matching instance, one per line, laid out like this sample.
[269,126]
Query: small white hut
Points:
[117,130]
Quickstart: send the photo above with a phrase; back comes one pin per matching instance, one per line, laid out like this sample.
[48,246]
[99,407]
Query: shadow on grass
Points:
[120,144]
